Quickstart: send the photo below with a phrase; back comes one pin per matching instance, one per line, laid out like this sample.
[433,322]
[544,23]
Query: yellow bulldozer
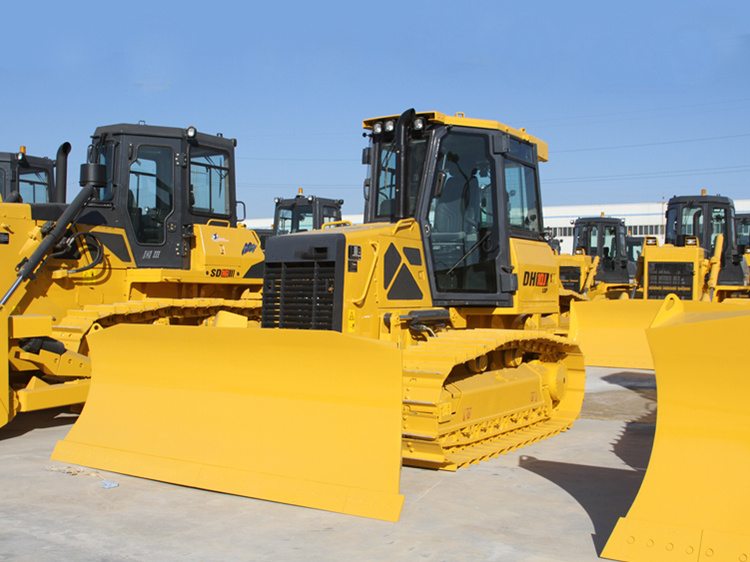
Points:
[418,337]
[599,265]
[699,261]
[152,237]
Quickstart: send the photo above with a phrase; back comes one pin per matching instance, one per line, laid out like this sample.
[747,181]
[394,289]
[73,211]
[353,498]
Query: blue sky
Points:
[638,101]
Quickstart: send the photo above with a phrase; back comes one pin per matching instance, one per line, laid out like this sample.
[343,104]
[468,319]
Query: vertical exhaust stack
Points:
[61,173]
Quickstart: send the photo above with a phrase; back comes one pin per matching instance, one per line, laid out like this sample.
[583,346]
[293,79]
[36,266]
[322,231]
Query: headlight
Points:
[377,128]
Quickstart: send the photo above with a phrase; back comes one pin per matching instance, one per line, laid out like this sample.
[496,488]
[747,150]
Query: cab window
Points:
[719,225]
[330,214]
[150,193]
[33,186]
[209,178]
[524,211]
[385,187]
[298,218]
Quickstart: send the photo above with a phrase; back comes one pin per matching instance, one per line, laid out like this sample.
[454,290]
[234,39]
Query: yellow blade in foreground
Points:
[612,333]
[301,417]
[694,499]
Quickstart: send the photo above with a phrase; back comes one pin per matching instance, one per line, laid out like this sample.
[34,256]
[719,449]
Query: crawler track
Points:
[470,395]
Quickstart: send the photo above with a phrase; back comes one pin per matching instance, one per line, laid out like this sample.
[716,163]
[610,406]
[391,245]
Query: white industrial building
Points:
[642,219]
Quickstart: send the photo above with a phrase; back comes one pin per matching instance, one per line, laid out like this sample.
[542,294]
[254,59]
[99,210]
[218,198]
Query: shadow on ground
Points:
[633,380]
[28,421]
[605,493]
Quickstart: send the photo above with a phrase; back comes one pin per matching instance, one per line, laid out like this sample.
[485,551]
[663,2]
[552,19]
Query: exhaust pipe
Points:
[61,173]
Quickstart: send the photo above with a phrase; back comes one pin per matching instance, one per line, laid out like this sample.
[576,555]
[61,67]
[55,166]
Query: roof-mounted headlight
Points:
[191,132]
[390,126]
[419,124]
[377,128]
[311,198]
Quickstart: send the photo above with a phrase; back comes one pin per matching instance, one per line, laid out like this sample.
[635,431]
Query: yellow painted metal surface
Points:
[29,325]
[465,400]
[202,407]
[39,395]
[612,333]
[693,502]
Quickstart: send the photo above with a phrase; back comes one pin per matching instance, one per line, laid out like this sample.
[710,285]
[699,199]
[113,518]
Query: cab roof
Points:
[461,120]
[143,130]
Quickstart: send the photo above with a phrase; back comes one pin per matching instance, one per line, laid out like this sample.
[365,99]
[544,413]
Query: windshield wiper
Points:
[469,251]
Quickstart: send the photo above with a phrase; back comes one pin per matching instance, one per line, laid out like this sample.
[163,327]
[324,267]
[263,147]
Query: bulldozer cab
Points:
[702,219]
[305,213]
[604,237]
[471,186]
[161,181]
[32,179]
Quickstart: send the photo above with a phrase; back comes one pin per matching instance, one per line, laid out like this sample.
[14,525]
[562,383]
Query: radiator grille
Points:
[299,295]
[570,277]
[666,277]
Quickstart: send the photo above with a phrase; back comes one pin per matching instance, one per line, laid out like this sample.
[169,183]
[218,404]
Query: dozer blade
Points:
[693,502]
[301,417]
[612,333]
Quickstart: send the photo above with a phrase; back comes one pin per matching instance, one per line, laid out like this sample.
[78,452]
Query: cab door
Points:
[152,201]
[466,241]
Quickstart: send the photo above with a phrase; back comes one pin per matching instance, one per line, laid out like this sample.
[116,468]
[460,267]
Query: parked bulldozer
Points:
[598,267]
[33,179]
[695,492]
[301,214]
[418,332]
[605,238]
[699,261]
[151,238]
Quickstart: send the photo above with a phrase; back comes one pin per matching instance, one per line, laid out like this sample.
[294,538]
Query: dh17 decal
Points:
[536,278]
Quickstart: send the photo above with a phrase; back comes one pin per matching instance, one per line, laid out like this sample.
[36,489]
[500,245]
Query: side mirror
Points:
[244,211]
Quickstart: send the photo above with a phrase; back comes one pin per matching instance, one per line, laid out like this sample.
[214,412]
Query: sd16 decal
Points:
[221,273]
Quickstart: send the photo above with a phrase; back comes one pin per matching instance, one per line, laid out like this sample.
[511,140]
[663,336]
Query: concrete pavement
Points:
[557,500]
